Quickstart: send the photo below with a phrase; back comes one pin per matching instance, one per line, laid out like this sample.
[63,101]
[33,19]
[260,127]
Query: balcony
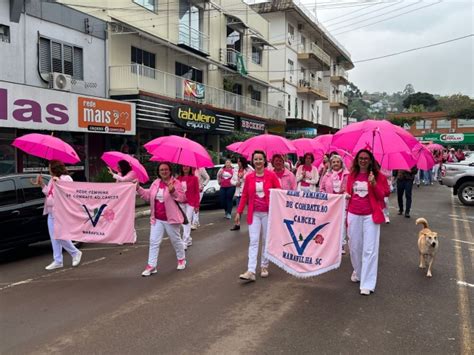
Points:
[321,60]
[338,101]
[339,76]
[193,39]
[313,87]
[130,79]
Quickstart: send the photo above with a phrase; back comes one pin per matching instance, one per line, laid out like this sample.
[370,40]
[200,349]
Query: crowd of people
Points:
[175,201]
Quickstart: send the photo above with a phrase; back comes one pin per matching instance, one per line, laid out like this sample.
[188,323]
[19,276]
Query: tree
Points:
[401,121]
[409,90]
[455,103]
[421,98]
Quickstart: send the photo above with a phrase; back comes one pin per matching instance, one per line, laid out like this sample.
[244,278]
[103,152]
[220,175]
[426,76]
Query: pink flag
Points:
[305,231]
[94,212]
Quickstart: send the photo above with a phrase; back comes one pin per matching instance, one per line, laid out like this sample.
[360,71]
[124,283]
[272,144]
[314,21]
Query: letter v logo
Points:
[95,218]
[301,248]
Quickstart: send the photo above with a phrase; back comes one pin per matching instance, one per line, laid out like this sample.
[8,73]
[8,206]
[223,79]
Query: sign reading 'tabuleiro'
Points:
[193,118]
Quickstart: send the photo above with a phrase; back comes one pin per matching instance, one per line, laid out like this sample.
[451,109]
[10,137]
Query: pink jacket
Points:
[192,190]
[288,180]
[326,184]
[312,179]
[270,181]
[48,192]
[173,213]
[131,176]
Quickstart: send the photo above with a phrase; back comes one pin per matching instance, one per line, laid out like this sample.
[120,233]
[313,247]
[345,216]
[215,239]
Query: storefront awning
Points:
[261,41]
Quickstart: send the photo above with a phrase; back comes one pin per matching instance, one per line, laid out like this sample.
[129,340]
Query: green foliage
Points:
[236,136]
[421,98]
[465,113]
[457,105]
[401,121]
[103,176]
[214,156]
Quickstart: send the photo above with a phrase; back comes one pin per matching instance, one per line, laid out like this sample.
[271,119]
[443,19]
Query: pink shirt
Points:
[160,211]
[260,202]
[226,177]
[306,169]
[359,202]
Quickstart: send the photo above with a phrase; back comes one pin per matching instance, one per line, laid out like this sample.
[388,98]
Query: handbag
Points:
[185,218]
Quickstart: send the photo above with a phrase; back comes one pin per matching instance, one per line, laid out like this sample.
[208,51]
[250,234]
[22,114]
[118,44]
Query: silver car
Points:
[460,176]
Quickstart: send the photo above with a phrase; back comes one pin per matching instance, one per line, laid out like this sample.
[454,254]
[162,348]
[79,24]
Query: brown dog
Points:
[427,245]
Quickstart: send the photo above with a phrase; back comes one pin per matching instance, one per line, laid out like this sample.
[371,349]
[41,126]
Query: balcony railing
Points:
[233,56]
[339,71]
[315,50]
[317,87]
[338,99]
[193,38]
[138,77]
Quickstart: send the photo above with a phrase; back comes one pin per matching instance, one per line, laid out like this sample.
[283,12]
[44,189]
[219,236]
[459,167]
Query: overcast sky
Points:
[445,69]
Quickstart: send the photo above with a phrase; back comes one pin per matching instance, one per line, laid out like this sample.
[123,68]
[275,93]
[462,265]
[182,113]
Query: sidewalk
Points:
[142,211]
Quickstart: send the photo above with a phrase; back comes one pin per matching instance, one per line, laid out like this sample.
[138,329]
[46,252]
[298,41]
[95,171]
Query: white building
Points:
[309,64]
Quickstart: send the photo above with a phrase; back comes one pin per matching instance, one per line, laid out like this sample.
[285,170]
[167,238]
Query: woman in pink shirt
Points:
[286,177]
[190,183]
[307,175]
[58,171]
[125,173]
[164,194]
[256,195]
[238,181]
[225,176]
[367,188]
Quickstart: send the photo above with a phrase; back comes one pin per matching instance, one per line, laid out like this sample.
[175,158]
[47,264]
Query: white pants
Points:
[364,238]
[188,210]
[259,224]
[59,244]
[157,231]
[195,220]
[435,172]
[386,211]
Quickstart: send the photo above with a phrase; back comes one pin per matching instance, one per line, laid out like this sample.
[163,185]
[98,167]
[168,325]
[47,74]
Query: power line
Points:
[389,18]
[352,12]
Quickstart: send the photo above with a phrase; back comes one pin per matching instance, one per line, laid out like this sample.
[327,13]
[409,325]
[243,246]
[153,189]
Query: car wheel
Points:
[466,193]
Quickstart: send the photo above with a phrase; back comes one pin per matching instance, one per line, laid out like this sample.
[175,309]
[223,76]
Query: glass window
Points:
[256,95]
[289,105]
[30,191]
[7,153]
[462,123]
[303,43]
[423,124]
[7,192]
[147,4]
[257,52]
[291,31]
[291,67]
[188,72]
[443,123]
[58,57]
[146,60]
[4,33]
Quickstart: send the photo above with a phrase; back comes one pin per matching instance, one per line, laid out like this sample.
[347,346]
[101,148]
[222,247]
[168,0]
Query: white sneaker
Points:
[264,272]
[354,277]
[247,276]
[190,242]
[194,227]
[149,270]
[76,259]
[365,292]
[54,265]
[181,264]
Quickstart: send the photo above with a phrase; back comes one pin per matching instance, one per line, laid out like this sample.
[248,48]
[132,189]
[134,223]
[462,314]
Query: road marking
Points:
[462,241]
[16,284]
[463,298]
[460,219]
[455,215]
[464,283]
[118,247]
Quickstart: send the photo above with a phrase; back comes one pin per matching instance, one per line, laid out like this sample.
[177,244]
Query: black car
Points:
[21,211]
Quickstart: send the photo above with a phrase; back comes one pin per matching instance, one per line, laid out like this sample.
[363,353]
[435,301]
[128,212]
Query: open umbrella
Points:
[424,158]
[234,146]
[46,147]
[434,146]
[324,142]
[305,145]
[179,150]
[112,158]
[269,143]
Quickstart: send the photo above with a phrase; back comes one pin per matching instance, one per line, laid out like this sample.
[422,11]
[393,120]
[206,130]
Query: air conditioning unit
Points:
[60,81]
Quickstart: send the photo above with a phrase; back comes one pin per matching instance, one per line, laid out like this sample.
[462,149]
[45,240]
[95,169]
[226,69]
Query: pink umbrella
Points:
[305,145]
[269,143]
[394,161]
[112,159]
[424,158]
[380,137]
[434,146]
[324,142]
[234,146]
[46,147]
[179,150]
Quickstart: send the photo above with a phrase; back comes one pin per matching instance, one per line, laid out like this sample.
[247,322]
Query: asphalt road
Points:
[104,306]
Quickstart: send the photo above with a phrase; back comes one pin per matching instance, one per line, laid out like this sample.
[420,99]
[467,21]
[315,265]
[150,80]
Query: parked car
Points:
[460,176]
[211,190]
[21,211]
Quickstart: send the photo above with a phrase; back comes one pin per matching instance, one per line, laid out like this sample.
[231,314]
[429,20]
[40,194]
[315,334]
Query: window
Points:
[30,191]
[256,97]
[147,61]
[303,43]
[423,124]
[291,67]
[188,72]
[291,31]
[59,57]
[443,123]
[289,105]
[147,4]
[4,33]
[462,122]
[333,119]
[7,193]
[257,52]
[296,107]
[191,25]
[302,109]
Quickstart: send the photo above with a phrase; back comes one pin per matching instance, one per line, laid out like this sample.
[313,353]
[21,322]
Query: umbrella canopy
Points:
[46,147]
[234,146]
[179,150]
[112,159]
[269,143]
[434,146]
[306,145]
[324,142]
[381,137]
[424,158]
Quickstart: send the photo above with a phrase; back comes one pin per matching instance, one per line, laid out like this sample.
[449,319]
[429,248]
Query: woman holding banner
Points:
[190,185]
[307,175]
[125,174]
[165,215]
[58,171]
[367,188]
[256,194]
[286,177]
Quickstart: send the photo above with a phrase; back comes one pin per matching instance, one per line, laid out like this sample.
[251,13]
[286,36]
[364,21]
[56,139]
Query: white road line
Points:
[455,215]
[462,241]
[464,283]
[16,284]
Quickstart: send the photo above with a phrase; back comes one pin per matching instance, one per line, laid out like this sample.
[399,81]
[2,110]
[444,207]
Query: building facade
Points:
[308,64]
[53,79]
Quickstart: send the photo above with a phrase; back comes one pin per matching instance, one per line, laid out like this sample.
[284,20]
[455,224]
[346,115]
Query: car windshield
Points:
[213,172]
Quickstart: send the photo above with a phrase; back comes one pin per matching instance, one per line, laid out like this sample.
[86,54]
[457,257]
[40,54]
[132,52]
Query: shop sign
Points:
[34,108]
[252,125]
[307,132]
[452,138]
[194,118]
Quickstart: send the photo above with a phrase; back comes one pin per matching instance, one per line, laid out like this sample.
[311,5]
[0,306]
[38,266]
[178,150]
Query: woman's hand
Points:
[237,219]
[171,188]
[371,178]
[55,178]
[110,171]
[38,181]
[137,185]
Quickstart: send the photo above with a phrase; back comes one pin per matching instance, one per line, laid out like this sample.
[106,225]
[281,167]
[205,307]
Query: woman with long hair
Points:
[165,215]
[286,177]
[225,176]
[203,178]
[125,172]
[238,180]
[367,187]
[58,171]
[307,175]
[190,184]
[256,195]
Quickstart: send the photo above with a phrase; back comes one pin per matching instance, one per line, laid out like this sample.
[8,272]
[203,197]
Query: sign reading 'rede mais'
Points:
[194,119]
[23,106]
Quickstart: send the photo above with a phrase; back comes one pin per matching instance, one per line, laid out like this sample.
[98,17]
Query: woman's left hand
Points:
[371,178]
[55,178]
[171,188]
